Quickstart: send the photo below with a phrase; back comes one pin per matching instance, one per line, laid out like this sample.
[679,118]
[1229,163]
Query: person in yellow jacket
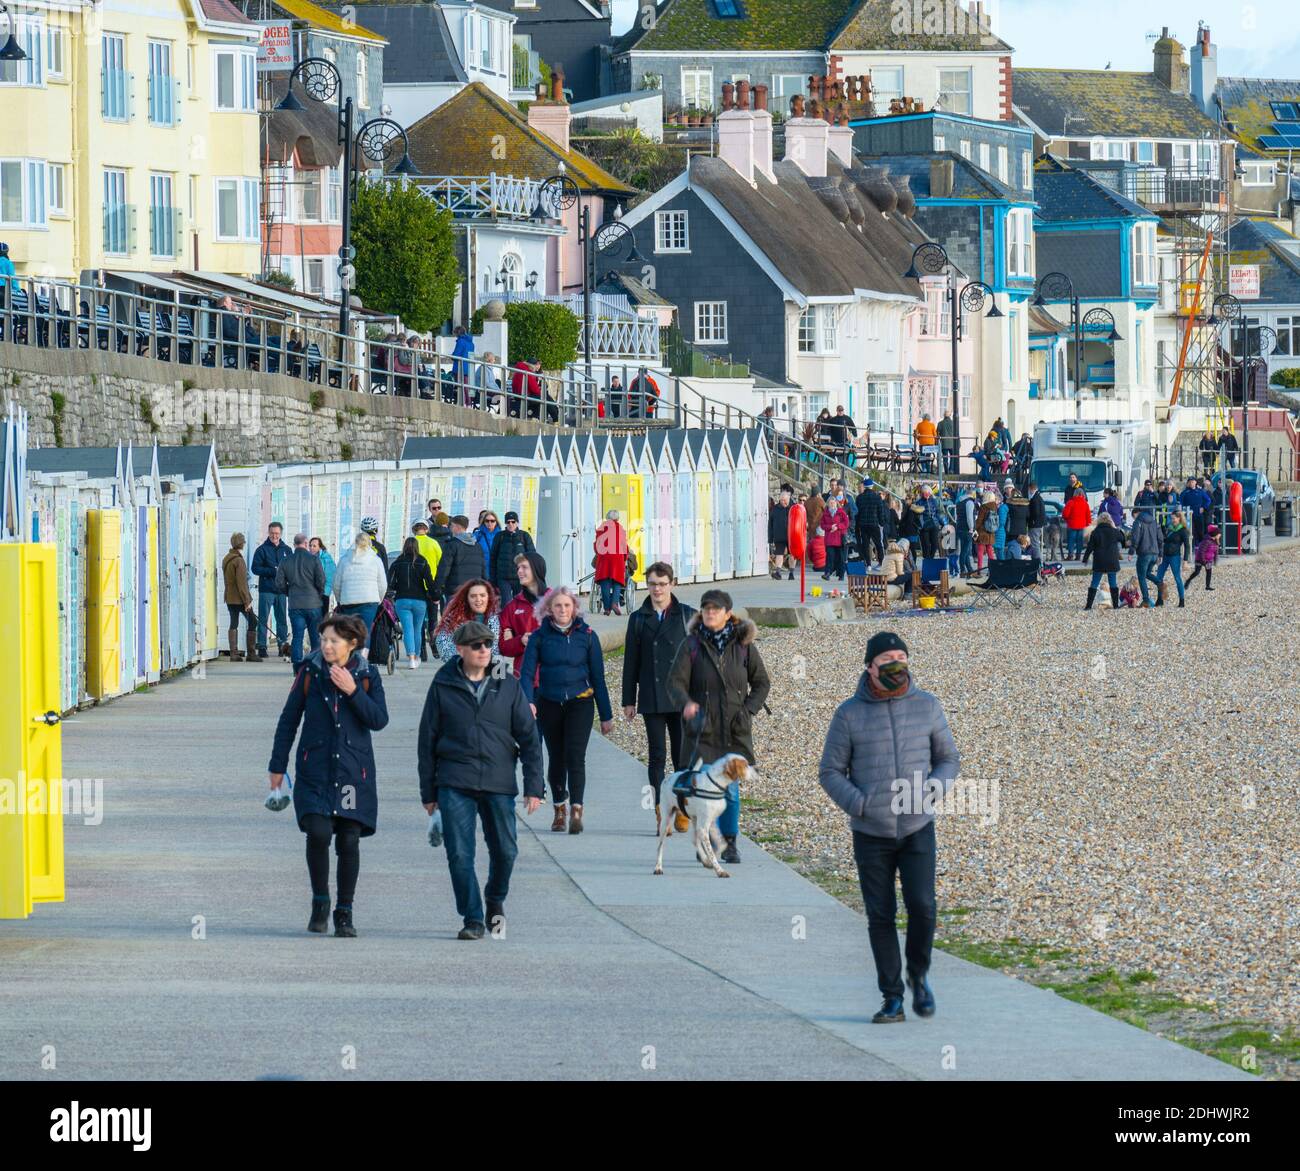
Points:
[430,550]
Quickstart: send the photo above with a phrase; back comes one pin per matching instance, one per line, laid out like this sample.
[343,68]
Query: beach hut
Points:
[697,444]
[558,524]
[724,504]
[684,537]
[659,483]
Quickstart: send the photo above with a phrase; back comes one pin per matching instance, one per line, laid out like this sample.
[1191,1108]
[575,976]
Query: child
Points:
[948,548]
[1207,552]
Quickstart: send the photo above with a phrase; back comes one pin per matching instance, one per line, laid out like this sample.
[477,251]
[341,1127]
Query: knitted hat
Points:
[882,641]
[511,516]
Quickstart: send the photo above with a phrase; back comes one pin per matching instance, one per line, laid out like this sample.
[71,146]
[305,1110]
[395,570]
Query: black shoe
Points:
[320,915]
[496,917]
[261,652]
[791,577]
[1209,587]
[890,1012]
[730,854]
[472,931]
[343,928]
[1182,602]
[922,996]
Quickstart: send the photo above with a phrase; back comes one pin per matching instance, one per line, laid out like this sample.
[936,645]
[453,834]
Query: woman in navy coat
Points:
[338,698]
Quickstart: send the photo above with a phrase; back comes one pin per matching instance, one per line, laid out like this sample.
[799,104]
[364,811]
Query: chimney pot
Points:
[557,84]
[760,97]
[796,106]
[728,95]
[742,95]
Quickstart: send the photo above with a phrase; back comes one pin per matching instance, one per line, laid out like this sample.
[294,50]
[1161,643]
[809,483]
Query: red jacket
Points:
[611,552]
[817,552]
[835,524]
[516,621]
[524,381]
[1076,512]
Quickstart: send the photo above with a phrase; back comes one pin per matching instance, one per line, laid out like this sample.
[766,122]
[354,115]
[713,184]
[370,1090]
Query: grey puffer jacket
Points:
[1147,538]
[874,742]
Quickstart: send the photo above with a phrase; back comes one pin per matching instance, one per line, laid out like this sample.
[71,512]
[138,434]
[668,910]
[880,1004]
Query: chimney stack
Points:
[736,132]
[551,115]
[1205,72]
[762,133]
[807,137]
[1170,67]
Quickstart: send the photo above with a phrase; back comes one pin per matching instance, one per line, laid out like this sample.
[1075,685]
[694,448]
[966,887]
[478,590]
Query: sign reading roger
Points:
[275,51]
[1243,281]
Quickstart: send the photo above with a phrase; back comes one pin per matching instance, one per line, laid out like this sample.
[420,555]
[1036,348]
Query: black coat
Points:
[871,509]
[412,578]
[461,561]
[506,546]
[778,524]
[649,650]
[1037,511]
[731,690]
[1104,548]
[1178,543]
[334,771]
[471,743]
[1017,517]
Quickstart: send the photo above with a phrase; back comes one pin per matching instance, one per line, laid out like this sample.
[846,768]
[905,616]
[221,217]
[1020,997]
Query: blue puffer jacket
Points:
[571,663]
[267,558]
[334,771]
[871,744]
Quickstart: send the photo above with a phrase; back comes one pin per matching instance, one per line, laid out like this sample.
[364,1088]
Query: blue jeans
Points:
[366,611]
[1073,542]
[1111,579]
[265,602]
[966,555]
[1145,562]
[611,594]
[411,612]
[729,821]
[460,809]
[304,621]
[1176,564]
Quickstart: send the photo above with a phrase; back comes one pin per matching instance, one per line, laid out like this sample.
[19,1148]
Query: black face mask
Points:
[894,676]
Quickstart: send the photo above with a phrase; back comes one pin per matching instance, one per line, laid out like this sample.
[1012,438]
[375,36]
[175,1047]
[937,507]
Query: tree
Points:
[538,329]
[406,254]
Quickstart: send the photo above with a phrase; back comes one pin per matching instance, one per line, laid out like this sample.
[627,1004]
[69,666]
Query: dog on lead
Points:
[701,794]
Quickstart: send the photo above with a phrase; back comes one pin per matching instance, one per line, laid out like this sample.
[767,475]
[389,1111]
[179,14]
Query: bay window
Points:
[23,185]
[237,211]
[885,404]
[1020,242]
[1144,255]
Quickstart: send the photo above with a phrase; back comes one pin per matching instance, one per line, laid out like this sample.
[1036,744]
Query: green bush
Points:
[539,329]
[1287,379]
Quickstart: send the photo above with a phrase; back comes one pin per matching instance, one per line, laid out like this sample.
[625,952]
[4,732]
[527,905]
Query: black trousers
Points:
[657,724]
[929,542]
[871,543]
[566,729]
[912,859]
[834,561]
[347,846]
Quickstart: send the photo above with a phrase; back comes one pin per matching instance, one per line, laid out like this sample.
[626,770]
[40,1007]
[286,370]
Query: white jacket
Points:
[358,580]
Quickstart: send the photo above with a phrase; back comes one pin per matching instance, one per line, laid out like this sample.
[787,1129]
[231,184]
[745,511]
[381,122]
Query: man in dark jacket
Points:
[778,534]
[654,634]
[949,443]
[509,543]
[889,756]
[302,577]
[872,521]
[838,428]
[967,509]
[1017,515]
[462,559]
[718,672]
[476,725]
[267,559]
[1196,502]
[1037,514]
[1147,541]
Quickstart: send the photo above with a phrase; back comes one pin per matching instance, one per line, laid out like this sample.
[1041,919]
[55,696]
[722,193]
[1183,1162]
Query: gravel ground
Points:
[1133,777]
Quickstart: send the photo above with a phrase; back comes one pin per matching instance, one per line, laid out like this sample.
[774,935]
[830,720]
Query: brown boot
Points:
[558,823]
[575,820]
[250,646]
[235,655]
[681,823]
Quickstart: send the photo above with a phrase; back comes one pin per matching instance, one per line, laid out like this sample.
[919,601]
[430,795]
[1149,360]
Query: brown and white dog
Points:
[704,806]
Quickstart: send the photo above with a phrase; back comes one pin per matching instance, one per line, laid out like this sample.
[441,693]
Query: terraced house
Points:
[130,138]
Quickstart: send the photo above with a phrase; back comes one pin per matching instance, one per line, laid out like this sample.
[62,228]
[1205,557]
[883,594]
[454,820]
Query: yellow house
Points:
[130,137]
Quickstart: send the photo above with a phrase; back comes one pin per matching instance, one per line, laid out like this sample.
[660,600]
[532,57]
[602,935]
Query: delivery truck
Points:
[1102,454]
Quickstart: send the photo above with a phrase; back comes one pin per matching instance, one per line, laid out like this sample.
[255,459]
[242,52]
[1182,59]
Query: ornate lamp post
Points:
[1057,286]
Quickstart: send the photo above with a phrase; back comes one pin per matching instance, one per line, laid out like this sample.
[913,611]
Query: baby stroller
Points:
[385,635]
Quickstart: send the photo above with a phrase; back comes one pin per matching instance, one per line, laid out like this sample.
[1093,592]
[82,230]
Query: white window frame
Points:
[57,173]
[29,32]
[307,263]
[1004,164]
[1143,245]
[818,331]
[968,93]
[56,52]
[1265,174]
[243,79]
[669,227]
[965,148]
[161,52]
[882,95]
[986,158]
[310,179]
[161,182]
[247,210]
[334,194]
[885,405]
[125,185]
[690,98]
[806,331]
[1027,170]
[107,40]
[363,80]
[936,320]
[331,55]
[786,85]
[33,194]
[1288,335]
[1020,242]
[711,327]
[940,144]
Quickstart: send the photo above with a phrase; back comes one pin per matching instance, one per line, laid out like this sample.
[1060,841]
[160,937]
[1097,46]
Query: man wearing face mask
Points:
[889,756]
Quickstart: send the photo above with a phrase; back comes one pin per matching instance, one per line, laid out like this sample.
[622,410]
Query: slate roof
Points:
[1106,103]
[184,462]
[766,25]
[811,238]
[468,132]
[1245,102]
[99,463]
[420,46]
[466,446]
[1064,194]
[1261,242]
[323,18]
[969,180]
[873,25]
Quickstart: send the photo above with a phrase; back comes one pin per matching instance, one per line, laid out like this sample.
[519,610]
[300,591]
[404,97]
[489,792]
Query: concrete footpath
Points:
[181,951]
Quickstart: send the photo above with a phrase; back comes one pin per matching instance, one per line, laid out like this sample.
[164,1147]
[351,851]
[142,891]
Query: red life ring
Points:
[797,532]
[1234,501]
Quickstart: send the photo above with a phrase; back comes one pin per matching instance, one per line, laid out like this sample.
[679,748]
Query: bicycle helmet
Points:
[369,525]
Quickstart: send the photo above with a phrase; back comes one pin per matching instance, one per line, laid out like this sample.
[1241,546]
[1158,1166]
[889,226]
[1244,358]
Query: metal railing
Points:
[490,196]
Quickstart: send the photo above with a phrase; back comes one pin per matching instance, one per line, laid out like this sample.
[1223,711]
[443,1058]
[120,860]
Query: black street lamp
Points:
[374,139]
[931,260]
[12,50]
[1057,286]
[557,195]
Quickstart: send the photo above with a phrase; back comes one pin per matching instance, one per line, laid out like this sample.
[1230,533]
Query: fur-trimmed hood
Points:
[746,631]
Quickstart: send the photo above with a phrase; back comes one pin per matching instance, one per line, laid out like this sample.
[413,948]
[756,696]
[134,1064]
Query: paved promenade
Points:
[606,971]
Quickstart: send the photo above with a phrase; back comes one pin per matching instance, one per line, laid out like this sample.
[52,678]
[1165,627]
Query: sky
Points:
[1258,39]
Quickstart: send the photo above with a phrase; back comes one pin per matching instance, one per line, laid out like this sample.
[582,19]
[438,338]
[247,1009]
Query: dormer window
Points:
[727,9]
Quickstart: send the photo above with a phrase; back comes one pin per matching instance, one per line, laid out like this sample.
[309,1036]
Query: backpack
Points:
[990,524]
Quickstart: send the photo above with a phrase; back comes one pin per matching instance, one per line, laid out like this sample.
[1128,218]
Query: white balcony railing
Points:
[489,196]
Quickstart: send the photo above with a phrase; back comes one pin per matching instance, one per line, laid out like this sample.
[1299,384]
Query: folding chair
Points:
[931,581]
[1007,580]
